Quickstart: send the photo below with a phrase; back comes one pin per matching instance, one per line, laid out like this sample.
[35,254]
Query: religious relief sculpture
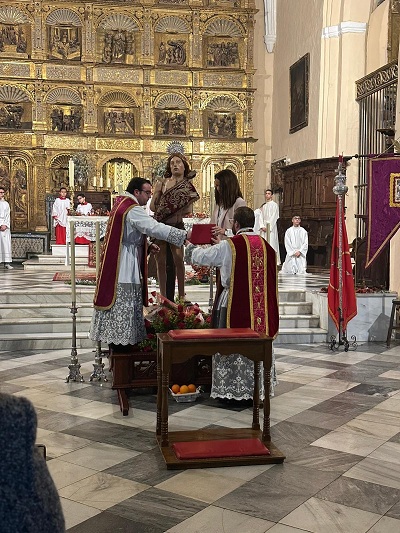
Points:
[66,118]
[19,188]
[13,38]
[223,54]
[222,124]
[172,52]
[119,46]
[170,123]
[119,121]
[64,42]
[11,116]
[4,173]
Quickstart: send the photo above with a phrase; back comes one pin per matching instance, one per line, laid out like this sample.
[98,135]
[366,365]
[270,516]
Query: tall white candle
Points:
[71,173]
[101,181]
[73,281]
[97,248]
[94,181]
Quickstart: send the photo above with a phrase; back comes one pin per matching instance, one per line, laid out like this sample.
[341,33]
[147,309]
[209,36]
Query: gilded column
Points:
[38,32]
[196,41]
[88,35]
[39,178]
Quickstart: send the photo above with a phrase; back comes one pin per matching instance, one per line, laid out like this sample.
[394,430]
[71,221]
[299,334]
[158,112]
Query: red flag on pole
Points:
[341,274]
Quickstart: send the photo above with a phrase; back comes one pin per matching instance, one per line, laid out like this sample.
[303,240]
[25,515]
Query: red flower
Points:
[181,325]
[180,308]
[197,320]
[161,312]
[181,316]
[151,300]
[166,322]
[208,320]
[150,336]
[154,294]
[147,324]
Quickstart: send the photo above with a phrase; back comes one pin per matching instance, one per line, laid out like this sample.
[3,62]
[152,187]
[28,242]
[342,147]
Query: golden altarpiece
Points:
[113,83]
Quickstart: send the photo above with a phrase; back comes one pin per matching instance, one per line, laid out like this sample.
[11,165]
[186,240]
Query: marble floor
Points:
[335,415]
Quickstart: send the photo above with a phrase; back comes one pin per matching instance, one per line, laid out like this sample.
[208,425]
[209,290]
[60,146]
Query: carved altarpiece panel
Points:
[118,120]
[14,178]
[14,40]
[64,42]
[65,118]
[171,50]
[169,122]
[221,124]
[221,52]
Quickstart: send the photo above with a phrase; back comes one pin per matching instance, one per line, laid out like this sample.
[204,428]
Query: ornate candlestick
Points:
[74,366]
[98,365]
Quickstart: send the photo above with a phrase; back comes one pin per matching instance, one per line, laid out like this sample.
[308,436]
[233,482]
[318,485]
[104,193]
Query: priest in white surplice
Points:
[296,244]
[269,215]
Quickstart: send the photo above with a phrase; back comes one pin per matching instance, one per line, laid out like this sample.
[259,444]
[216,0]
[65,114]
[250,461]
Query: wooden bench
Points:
[181,345]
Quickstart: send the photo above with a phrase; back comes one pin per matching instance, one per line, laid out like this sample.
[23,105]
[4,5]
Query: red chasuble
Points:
[252,300]
[105,294]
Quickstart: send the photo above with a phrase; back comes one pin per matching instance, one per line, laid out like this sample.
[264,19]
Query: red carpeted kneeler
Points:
[219,448]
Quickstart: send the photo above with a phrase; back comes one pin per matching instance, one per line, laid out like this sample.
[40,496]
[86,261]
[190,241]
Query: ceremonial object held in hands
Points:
[201,234]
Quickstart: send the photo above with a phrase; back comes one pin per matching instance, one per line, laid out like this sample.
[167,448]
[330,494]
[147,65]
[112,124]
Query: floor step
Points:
[298,321]
[301,336]
[34,326]
[295,308]
[44,341]
[16,311]
[292,295]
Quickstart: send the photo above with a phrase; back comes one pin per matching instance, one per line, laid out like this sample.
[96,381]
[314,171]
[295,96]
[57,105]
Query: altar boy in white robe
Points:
[296,244]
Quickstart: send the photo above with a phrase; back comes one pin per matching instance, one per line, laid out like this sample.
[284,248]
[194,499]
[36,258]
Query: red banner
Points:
[349,301]
[383,204]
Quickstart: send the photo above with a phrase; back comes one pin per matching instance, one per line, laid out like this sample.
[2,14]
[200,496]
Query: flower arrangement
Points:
[198,274]
[166,315]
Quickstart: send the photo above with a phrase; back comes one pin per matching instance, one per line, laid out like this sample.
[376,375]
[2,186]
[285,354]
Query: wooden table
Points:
[176,351]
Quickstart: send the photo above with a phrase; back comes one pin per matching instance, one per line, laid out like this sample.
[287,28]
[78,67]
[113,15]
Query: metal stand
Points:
[340,189]
[74,367]
[98,365]
[211,297]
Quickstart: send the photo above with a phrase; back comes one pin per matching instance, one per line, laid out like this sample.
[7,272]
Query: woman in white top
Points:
[228,197]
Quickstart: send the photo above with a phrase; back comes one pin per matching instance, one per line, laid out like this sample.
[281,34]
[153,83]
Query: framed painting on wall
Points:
[299,73]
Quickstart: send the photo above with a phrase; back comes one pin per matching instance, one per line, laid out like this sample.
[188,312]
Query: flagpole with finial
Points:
[340,189]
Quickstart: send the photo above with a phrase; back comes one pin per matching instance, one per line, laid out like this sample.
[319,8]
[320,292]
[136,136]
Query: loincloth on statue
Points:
[160,243]
[178,197]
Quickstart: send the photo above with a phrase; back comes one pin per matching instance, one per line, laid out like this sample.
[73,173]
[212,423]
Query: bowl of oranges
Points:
[185,393]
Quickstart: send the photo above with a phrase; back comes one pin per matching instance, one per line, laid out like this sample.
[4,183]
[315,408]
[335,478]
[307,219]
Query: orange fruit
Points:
[192,388]
[184,389]
[175,389]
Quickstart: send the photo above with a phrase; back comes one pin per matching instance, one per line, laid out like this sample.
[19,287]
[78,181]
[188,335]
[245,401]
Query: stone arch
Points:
[171,101]
[224,103]
[63,16]
[63,95]
[13,94]
[119,98]
[223,26]
[172,24]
